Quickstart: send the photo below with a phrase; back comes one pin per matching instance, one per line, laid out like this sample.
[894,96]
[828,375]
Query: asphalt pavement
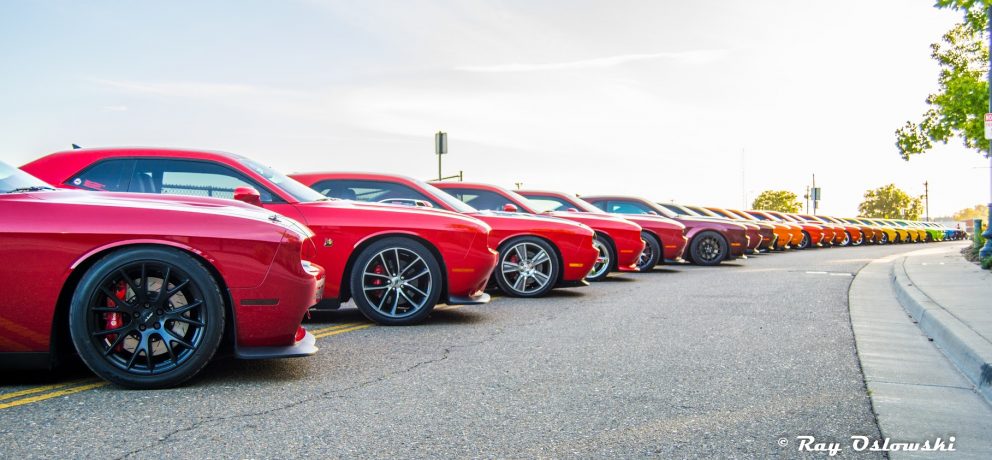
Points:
[685,361]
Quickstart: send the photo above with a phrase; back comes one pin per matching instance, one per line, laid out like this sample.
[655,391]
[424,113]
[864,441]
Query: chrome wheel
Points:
[646,255]
[397,282]
[526,268]
[601,267]
[847,239]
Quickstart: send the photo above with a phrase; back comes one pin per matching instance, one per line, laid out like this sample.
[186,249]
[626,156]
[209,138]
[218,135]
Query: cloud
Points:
[114,108]
[694,57]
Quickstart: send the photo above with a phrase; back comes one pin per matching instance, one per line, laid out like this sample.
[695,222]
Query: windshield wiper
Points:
[33,188]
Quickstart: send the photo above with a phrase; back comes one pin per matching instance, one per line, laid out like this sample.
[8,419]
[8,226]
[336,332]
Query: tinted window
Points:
[105,176]
[479,199]
[191,178]
[626,207]
[371,191]
[548,203]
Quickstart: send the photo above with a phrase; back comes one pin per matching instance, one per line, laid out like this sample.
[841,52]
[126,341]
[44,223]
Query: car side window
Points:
[105,176]
[480,199]
[548,203]
[191,178]
[626,207]
[369,191]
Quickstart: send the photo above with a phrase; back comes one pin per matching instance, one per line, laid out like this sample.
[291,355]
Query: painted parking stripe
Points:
[48,392]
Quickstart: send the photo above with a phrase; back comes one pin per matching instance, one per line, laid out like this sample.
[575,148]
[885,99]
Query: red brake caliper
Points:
[114,320]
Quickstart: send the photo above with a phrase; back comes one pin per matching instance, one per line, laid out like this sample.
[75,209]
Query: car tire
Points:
[605,261]
[805,242]
[129,334]
[709,248]
[847,239]
[651,255]
[528,267]
[396,281]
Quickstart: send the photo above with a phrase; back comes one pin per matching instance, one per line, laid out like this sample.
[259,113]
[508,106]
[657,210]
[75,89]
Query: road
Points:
[683,361]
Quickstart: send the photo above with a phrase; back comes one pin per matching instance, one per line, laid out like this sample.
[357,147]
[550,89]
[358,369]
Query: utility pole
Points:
[926,198]
[986,250]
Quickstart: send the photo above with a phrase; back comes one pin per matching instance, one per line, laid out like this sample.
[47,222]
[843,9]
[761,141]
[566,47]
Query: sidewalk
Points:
[951,299]
[909,353]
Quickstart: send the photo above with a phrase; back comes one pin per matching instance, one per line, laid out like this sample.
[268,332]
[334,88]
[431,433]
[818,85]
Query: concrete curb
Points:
[970,352]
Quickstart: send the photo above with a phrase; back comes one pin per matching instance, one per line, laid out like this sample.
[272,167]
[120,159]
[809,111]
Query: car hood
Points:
[713,221]
[532,217]
[174,203]
[603,220]
[392,210]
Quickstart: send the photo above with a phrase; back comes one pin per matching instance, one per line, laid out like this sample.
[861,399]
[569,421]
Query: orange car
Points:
[858,233]
[784,233]
[795,230]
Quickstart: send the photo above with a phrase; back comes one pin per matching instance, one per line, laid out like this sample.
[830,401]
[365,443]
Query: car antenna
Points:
[76,146]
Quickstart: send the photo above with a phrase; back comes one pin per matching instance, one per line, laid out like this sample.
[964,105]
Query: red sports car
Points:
[617,240]
[710,241]
[536,253]
[396,262]
[146,289]
[664,239]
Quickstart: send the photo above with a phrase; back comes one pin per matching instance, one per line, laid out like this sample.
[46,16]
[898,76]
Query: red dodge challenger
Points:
[710,241]
[617,240]
[664,239]
[536,253]
[397,263]
[146,289]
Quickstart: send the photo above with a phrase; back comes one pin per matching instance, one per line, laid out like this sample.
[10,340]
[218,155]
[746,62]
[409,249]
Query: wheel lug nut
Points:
[156,325]
[142,327]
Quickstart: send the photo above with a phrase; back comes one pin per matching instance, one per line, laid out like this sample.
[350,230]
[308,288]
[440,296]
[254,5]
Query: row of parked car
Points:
[145,262]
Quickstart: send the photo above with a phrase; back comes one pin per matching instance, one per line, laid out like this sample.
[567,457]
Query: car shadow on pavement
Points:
[615,279]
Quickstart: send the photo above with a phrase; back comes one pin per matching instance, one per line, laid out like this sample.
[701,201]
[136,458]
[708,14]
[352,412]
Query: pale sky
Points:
[654,98]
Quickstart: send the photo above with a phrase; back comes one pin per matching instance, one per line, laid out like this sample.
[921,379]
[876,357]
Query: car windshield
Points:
[705,212]
[299,191]
[13,180]
[678,210]
[584,205]
[455,203]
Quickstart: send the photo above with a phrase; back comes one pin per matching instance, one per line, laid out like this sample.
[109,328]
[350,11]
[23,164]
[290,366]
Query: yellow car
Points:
[889,233]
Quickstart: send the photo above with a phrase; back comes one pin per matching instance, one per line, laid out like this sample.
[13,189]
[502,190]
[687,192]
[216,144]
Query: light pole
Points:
[926,198]
[986,250]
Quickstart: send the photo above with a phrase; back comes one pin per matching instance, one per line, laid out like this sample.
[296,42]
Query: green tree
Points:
[958,108]
[777,200]
[889,202]
[980,211]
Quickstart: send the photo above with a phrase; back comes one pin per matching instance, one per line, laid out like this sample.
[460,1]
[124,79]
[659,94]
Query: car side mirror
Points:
[248,195]
[510,207]
[573,210]
[652,213]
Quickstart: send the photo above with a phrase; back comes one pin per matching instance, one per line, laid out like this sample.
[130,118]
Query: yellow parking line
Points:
[342,331]
[331,328]
[30,391]
[50,395]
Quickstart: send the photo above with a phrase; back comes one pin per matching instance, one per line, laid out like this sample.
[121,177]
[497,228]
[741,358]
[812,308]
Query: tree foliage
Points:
[958,108]
[980,211]
[777,200]
[889,202]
